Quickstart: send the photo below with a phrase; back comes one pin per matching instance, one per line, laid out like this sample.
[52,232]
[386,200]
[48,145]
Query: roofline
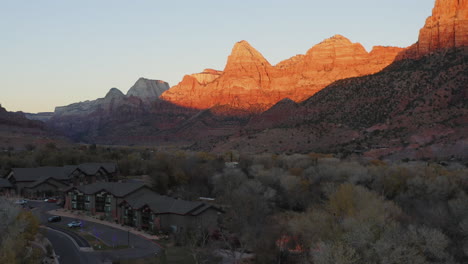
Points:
[45,180]
[189,213]
[194,209]
[137,189]
[104,189]
[210,206]
[157,213]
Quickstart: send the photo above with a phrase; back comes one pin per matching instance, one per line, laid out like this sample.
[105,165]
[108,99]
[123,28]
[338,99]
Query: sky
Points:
[56,52]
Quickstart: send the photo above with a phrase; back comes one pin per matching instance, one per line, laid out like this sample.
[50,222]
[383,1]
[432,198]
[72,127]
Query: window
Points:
[100,204]
[107,209]
[73,205]
[88,198]
[74,197]
[108,199]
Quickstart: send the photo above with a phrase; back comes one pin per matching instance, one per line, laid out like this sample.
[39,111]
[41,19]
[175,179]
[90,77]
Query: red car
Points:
[50,200]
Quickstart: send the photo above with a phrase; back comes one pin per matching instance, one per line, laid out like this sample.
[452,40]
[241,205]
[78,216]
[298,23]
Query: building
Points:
[6,188]
[51,181]
[45,187]
[153,212]
[21,178]
[101,198]
[135,204]
[88,173]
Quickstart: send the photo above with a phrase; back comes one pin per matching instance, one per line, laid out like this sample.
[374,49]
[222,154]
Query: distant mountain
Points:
[17,119]
[140,95]
[84,121]
[17,132]
[249,82]
[43,116]
[148,90]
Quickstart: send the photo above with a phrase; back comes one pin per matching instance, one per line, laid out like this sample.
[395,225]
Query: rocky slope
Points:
[249,82]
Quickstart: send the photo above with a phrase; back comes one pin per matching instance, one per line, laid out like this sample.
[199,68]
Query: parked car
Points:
[54,218]
[21,202]
[74,224]
[50,200]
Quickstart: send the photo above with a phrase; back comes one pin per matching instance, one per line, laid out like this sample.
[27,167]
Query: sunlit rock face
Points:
[249,82]
[446,28]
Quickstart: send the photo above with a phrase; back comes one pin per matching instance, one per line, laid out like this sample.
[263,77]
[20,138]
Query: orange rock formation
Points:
[446,28]
[250,82]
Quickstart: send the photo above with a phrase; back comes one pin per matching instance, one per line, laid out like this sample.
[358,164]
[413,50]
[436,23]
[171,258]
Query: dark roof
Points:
[93,168]
[4,183]
[119,189]
[42,180]
[60,173]
[165,205]
[33,174]
[201,209]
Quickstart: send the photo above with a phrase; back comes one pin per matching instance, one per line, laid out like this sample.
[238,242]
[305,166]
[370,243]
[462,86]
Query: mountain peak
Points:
[147,89]
[243,53]
[114,92]
[337,39]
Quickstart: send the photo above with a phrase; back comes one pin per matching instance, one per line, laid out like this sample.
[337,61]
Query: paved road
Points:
[81,242]
[139,246]
[68,252]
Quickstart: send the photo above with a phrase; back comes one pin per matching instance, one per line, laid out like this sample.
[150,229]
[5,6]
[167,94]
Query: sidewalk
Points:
[61,212]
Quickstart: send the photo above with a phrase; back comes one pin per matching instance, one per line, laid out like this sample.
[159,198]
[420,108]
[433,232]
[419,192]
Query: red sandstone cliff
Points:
[446,28]
[251,83]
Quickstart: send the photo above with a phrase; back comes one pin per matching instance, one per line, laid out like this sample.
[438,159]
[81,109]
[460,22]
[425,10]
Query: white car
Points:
[74,224]
[21,202]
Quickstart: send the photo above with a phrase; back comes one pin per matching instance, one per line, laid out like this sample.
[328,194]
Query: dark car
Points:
[55,218]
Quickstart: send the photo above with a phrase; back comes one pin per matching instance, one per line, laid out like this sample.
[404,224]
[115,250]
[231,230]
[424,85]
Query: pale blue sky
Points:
[56,52]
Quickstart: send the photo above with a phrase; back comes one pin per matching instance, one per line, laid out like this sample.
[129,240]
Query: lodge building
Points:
[51,181]
[136,205]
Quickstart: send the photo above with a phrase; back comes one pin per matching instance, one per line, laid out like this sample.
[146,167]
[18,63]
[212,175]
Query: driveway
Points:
[138,246]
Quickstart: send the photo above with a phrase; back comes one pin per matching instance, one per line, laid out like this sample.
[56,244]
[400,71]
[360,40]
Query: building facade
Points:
[136,205]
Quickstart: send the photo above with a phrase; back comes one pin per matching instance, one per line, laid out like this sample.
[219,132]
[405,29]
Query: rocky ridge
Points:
[249,82]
